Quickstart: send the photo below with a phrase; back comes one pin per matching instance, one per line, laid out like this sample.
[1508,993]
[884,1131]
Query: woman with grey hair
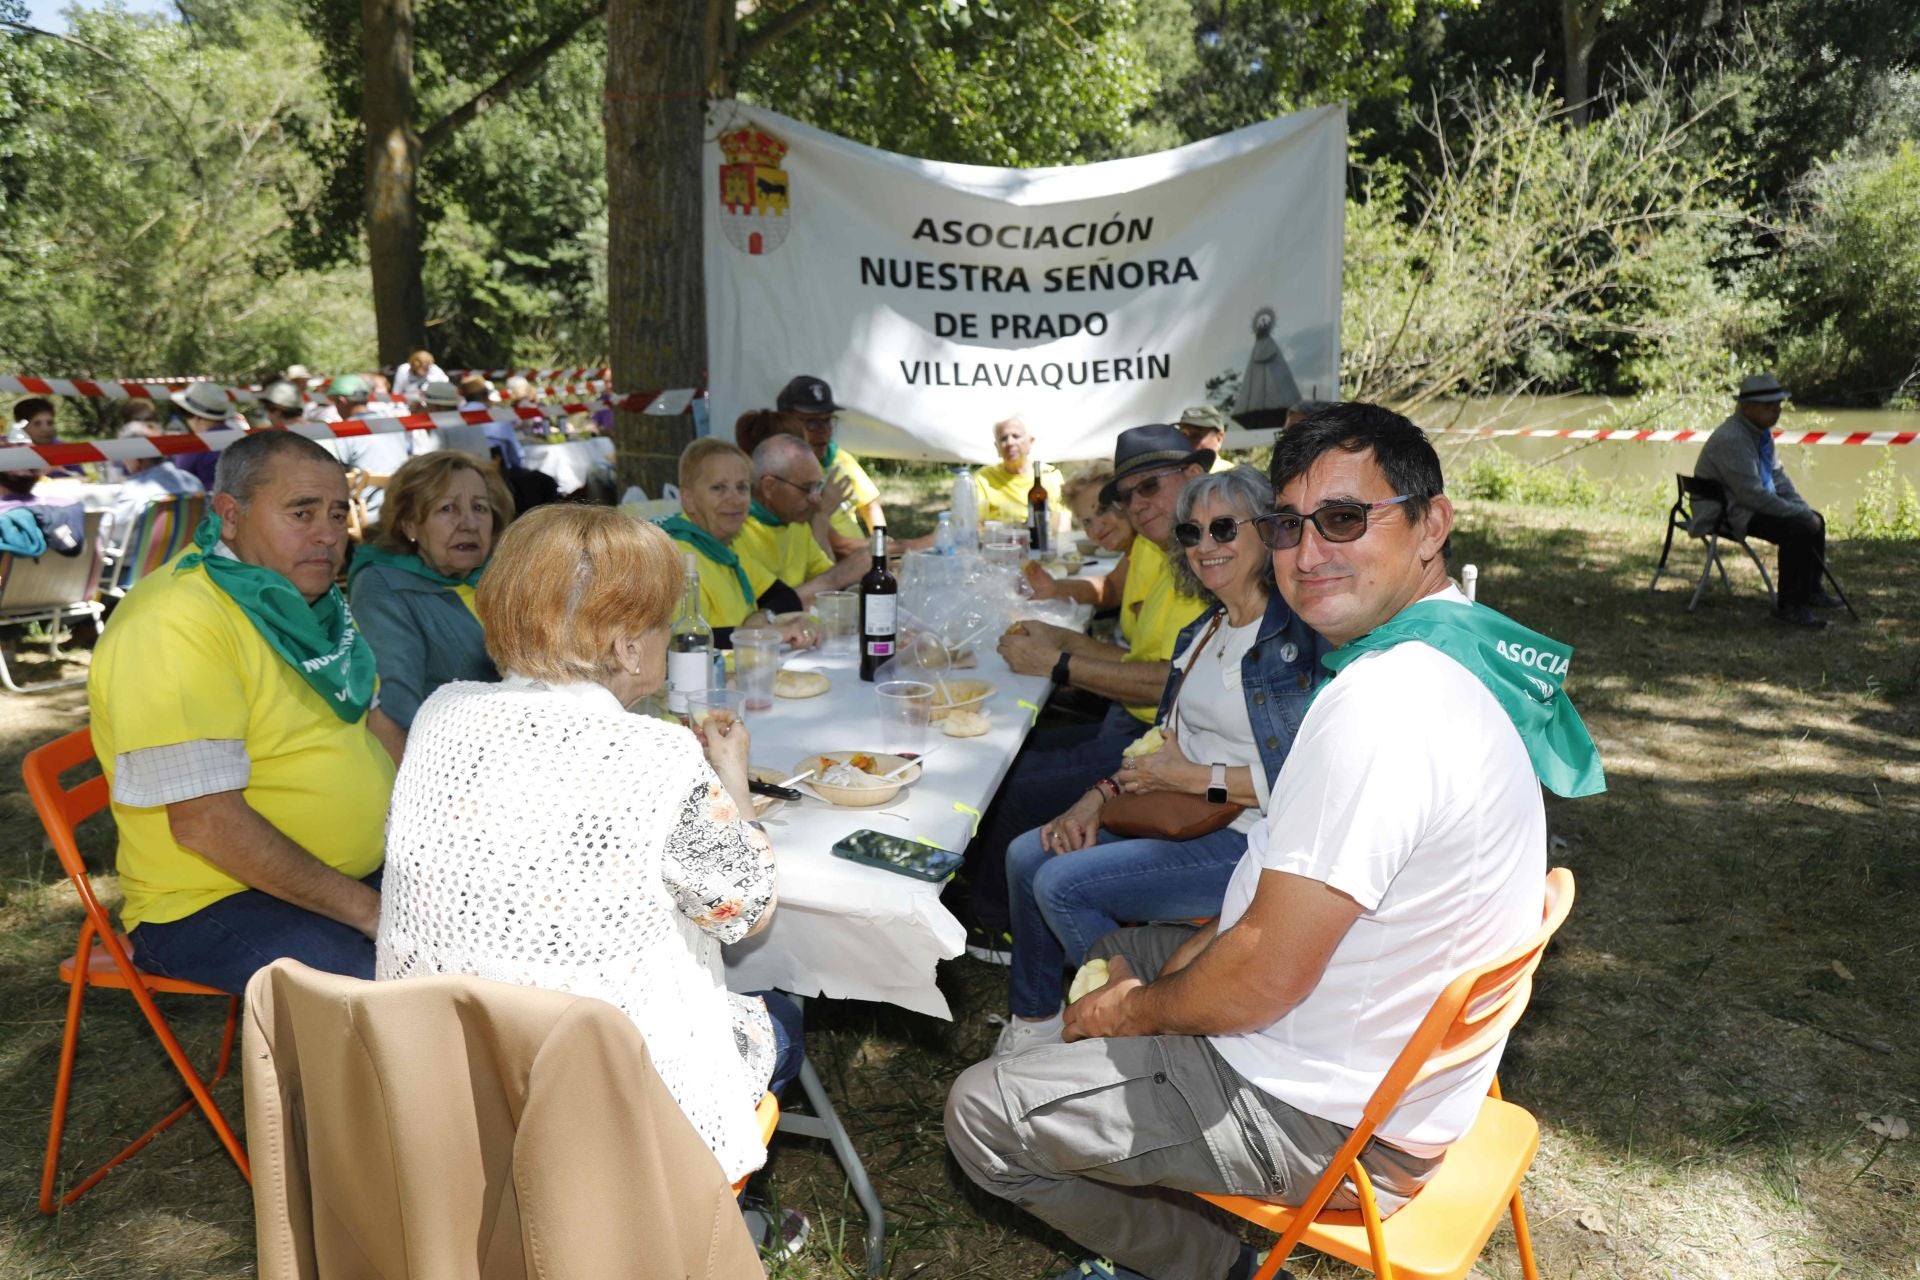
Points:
[1243,673]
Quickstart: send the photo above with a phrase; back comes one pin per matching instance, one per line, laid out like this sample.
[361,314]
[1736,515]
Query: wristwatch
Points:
[1061,677]
[1217,785]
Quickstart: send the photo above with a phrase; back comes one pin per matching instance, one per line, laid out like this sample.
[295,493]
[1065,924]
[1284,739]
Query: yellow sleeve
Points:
[757,544]
[863,488]
[818,561]
[202,694]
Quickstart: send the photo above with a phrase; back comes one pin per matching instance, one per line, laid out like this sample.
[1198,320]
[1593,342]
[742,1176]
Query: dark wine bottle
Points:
[879,609]
[1037,513]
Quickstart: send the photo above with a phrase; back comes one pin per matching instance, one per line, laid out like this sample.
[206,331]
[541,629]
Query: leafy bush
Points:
[1887,507]
[1494,475]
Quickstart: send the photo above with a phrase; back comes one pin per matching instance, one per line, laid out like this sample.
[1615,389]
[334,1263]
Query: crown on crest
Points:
[751,146]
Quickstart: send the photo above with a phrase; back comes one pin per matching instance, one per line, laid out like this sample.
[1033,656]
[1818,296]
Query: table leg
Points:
[825,1123]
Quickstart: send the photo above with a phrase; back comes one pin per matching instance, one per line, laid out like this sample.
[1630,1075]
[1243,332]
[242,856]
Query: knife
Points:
[760,788]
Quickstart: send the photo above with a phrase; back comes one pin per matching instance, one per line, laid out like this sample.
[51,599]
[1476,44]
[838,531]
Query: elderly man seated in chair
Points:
[229,704]
[1404,843]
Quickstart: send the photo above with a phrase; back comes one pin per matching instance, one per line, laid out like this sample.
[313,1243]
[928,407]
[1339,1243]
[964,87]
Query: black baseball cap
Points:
[806,394]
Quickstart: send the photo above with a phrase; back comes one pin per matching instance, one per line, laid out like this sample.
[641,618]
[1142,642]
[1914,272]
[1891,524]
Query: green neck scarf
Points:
[833,451]
[765,516]
[370,556]
[317,640]
[681,529]
[1523,671]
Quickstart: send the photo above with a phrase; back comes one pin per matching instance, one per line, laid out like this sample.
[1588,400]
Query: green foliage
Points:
[156,239]
[1887,507]
[1850,275]
[1017,82]
[1495,475]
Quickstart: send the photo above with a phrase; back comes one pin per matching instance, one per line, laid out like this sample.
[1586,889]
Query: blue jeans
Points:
[790,1046]
[1053,769]
[1064,903]
[224,943]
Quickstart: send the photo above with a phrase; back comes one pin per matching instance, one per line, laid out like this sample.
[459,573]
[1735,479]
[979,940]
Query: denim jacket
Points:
[1278,677]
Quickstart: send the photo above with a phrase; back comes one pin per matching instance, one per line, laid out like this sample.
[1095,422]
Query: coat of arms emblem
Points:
[753,191]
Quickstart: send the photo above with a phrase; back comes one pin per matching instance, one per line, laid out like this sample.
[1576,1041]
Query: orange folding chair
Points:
[60,812]
[1438,1235]
[768,1114]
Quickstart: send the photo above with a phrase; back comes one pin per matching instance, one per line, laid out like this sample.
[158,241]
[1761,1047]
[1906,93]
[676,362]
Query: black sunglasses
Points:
[1223,528]
[1145,489]
[1336,522]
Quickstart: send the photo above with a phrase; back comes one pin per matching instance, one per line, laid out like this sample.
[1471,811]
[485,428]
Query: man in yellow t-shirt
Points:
[785,524]
[1205,427]
[1002,488]
[231,725]
[851,495]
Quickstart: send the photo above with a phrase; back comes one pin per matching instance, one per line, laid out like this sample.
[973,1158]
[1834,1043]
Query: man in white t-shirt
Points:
[1405,842]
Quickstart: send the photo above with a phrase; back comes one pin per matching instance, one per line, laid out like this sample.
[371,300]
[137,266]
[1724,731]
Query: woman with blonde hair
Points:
[716,495]
[541,835]
[412,584]
[1105,526]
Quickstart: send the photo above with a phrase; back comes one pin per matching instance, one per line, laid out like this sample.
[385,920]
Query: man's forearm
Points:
[1135,684]
[874,514]
[228,832]
[1205,997]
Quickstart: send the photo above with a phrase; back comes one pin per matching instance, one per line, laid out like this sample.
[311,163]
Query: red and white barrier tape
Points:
[105,389]
[34,457]
[534,375]
[1678,437]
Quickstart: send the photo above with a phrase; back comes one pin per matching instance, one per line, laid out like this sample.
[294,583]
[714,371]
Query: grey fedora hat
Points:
[1150,448]
[1762,388]
[205,400]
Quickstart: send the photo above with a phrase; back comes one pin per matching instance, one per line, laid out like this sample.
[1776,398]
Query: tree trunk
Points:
[658,60]
[1579,30]
[393,173]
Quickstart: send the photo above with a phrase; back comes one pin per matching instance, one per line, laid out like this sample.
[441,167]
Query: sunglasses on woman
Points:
[1224,529]
[1336,522]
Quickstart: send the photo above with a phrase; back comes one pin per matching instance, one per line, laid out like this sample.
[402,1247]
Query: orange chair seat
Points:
[1440,1232]
[103,972]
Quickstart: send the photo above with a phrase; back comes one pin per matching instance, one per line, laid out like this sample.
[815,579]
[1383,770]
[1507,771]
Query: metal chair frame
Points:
[1680,515]
[51,589]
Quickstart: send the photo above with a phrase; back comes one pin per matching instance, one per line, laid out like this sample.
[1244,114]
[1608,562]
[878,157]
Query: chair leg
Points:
[8,683]
[1523,1240]
[1706,573]
[825,1123]
[1665,551]
[63,1079]
[1772,595]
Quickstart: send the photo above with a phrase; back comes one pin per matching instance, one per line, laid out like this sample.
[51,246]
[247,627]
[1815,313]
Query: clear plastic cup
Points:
[703,704]
[906,708]
[756,661]
[992,531]
[839,621]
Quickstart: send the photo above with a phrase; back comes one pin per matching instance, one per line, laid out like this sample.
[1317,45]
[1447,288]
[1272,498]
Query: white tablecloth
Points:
[844,929]
[569,462]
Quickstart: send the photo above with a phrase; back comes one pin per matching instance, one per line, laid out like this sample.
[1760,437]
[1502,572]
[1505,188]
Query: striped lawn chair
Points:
[161,532]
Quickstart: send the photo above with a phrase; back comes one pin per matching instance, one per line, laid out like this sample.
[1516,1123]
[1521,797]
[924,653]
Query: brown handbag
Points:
[1170,815]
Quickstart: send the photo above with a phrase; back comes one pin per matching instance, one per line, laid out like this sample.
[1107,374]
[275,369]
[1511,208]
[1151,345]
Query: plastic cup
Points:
[992,531]
[703,704]
[756,661]
[839,619]
[906,708]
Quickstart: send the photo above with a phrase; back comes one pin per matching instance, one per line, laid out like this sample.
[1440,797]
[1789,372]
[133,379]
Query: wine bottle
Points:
[689,644]
[1037,521]
[879,601]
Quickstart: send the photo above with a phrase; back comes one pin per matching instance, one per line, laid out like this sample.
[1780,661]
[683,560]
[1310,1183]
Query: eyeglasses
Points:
[1336,522]
[1145,489]
[1223,528]
[813,490]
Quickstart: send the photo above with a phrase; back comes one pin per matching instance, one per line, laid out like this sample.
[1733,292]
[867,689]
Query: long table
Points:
[850,931]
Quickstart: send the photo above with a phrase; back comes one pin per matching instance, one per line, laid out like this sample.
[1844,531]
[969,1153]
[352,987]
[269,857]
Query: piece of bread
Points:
[1092,977]
[964,724]
[800,684]
[1146,744]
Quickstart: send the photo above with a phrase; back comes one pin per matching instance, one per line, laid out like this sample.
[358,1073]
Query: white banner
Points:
[937,299]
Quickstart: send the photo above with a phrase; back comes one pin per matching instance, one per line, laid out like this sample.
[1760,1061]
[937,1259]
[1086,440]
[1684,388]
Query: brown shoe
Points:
[1799,616]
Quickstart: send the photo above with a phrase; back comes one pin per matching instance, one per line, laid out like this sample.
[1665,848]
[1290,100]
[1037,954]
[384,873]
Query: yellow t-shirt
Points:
[1003,493]
[1160,613]
[721,603]
[785,551]
[182,664]
[466,594]
[863,491]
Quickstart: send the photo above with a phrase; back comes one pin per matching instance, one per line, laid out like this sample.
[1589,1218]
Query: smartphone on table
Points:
[898,855]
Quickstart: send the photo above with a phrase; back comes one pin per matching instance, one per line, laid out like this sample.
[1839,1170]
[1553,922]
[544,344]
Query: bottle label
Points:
[877,616]
[686,672]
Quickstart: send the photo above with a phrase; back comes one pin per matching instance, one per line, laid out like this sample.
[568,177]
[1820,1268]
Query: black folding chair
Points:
[1691,490]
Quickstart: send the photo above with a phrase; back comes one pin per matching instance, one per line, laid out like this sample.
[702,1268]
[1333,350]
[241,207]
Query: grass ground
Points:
[1736,988]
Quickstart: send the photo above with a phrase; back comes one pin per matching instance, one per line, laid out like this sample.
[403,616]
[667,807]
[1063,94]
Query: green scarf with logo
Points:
[833,451]
[1522,669]
[317,640]
[681,529]
[370,556]
[765,516]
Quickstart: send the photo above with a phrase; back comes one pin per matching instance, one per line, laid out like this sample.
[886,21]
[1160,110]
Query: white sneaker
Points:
[1019,1035]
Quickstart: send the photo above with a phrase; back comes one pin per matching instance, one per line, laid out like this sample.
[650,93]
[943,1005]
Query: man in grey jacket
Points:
[1762,502]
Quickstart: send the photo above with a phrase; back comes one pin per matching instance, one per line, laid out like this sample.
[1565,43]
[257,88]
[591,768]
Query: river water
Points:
[1830,477]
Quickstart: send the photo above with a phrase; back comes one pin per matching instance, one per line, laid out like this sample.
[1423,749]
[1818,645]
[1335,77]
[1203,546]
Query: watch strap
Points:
[1062,673]
[1217,785]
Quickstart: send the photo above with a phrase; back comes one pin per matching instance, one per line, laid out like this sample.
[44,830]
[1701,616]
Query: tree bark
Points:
[393,175]
[1579,31]
[658,60]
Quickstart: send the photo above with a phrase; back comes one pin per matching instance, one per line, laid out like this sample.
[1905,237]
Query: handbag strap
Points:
[1206,637]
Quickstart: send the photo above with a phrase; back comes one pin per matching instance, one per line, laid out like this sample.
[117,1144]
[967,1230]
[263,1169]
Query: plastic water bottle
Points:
[943,535]
[966,512]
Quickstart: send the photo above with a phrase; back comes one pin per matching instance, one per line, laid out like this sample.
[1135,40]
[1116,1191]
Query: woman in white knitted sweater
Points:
[541,835]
